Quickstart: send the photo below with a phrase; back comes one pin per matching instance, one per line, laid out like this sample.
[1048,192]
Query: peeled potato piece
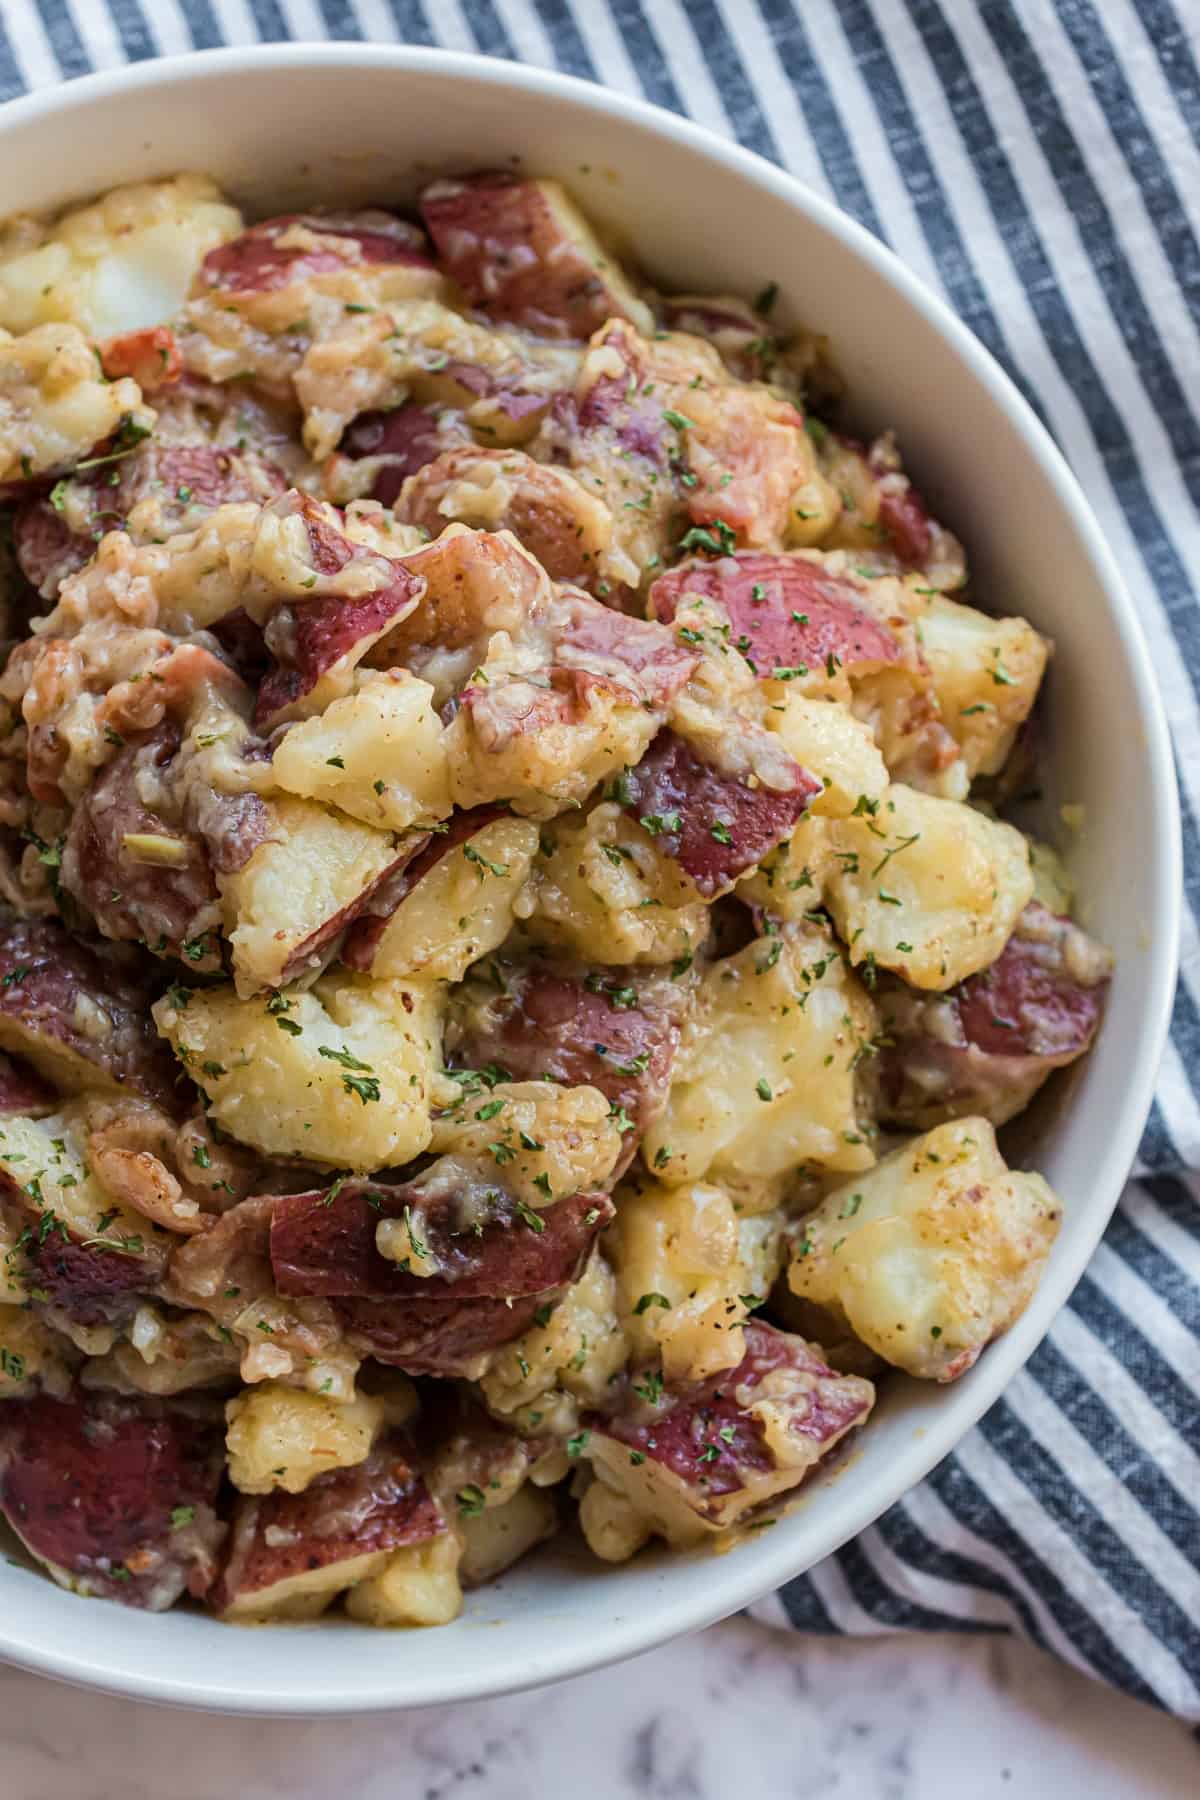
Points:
[931,1254]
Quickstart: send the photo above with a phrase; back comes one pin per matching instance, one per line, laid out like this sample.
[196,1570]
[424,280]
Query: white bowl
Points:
[279,126]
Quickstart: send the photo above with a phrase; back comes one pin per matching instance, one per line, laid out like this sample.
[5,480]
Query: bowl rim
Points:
[733,1582]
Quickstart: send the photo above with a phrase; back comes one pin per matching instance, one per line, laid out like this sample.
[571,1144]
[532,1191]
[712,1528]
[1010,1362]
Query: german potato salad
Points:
[513,954]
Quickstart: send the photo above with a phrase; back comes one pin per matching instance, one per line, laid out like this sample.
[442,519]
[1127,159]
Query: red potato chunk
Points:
[475,583]
[313,641]
[903,515]
[543,744]
[660,432]
[521,251]
[362,939]
[22,1090]
[576,692]
[881,513]
[546,508]
[691,443]
[704,1455]
[714,825]
[173,485]
[262,259]
[78,1015]
[788,616]
[541,737]
[394,445]
[319,947]
[86,1283]
[480,1243]
[634,653]
[116,1496]
[290,1554]
[444,1338]
[152,356]
[986,1046]
[139,877]
[830,630]
[609,1028]
[482,582]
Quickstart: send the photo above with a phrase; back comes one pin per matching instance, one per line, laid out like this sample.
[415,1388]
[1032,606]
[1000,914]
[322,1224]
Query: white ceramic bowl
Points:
[281,126]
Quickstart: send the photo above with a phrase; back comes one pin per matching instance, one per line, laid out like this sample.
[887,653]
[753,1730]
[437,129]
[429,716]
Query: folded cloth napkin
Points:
[1038,162]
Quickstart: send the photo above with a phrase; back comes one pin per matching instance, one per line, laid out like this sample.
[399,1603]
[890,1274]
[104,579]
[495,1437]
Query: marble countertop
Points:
[738,1709]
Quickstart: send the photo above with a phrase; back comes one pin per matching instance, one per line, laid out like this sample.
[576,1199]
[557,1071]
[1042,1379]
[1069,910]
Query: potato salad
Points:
[513,951]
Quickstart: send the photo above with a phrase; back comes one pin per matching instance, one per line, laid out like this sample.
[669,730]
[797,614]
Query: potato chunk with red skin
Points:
[168,487]
[115,1496]
[380,450]
[987,1045]
[323,1243]
[315,643]
[138,875]
[790,618]
[495,382]
[452,904]
[259,302]
[291,1554]
[552,514]
[444,1338]
[522,251]
[303,886]
[76,1245]
[716,826]
[820,626]
[610,1028]
[85,1283]
[278,252]
[78,1014]
[577,696]
[555,690]
[702,1456]
[476,583]
[660,432]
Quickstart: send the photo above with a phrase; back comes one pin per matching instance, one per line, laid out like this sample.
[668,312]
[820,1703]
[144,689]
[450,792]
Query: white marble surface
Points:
[737,1711]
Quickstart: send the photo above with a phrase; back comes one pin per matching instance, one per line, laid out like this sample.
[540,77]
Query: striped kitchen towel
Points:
[1038,162]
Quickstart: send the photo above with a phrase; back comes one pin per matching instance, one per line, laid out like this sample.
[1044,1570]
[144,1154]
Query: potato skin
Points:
[987,1045]
[290,1554]
[522,251]
[114,1495]
[49,982]
[698,1457]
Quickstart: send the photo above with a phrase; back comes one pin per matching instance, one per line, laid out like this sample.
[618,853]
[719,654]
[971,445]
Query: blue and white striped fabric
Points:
[1038,161]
